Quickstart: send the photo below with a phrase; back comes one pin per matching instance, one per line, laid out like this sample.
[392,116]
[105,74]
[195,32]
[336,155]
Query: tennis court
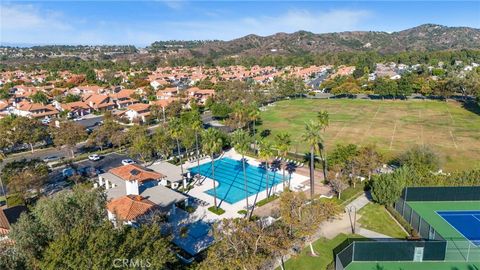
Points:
[466,223]
[455,229]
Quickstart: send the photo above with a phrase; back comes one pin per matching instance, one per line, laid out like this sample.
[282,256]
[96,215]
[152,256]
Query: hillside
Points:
[427,37]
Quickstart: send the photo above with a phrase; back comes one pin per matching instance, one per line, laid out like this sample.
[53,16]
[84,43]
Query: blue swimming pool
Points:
[229,174]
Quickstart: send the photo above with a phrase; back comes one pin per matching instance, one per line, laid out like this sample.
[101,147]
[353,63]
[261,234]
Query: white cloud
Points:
[30,24]
[19,17]
[291,21]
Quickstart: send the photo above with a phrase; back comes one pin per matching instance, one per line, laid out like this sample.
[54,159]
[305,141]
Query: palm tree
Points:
[241,143]
[197,126]
[283,143]
[212,143]
[266,153]
[253,116]
[176,131]
[313,138]
[323,121]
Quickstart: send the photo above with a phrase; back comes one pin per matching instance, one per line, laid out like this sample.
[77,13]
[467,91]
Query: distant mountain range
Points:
[427,37]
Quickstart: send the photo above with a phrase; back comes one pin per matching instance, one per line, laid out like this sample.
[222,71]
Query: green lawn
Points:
[392,126]
[324,249]
[413,266]
[375,217]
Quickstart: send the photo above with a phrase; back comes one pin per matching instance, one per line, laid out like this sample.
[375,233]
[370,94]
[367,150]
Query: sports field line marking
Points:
[393,135]
[453,139]
[451,117]
[475,217]
[336,135]
[371,124]
[421,126]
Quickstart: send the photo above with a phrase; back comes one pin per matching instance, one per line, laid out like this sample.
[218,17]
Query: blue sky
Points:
[142,22]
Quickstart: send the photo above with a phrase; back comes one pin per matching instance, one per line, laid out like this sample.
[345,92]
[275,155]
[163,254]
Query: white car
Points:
[94,157]
[127,161]
[50,159]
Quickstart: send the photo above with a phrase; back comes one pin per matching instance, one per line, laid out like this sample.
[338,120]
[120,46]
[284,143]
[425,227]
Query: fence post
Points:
[353,252]
[468,251]
[404,202]
[420,226]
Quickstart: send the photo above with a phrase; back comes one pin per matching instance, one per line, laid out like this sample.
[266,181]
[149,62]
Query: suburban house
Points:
[167,93]
[123,98]
[130,209]
[200,95]
[8,217]
[138,111]
[142,188]
[34,110]
[77,108]
[99,102]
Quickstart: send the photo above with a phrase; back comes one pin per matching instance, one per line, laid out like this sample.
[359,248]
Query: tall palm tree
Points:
[197,126]
[266,153]
[253,116]
[212,143]
[175,129]
[283,143]
[323,120]
[313,138]
[241,143]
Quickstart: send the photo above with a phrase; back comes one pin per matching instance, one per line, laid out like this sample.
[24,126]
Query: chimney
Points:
[132,187]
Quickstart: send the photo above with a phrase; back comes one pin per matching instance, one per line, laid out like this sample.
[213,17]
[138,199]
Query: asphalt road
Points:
[57,182]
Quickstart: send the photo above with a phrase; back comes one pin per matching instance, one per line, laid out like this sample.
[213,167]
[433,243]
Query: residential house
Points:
[167,93]
[131,181]
[130,209]
[138,111]
[75,109]
[99,102]
[200,95]
[34,110]
[123,98]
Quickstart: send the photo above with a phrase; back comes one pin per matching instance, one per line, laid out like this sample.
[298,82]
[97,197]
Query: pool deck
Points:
[231,210]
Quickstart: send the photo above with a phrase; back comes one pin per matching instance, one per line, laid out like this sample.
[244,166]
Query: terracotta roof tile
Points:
[130,207]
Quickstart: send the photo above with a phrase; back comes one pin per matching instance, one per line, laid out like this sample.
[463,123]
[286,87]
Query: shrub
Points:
[216,210]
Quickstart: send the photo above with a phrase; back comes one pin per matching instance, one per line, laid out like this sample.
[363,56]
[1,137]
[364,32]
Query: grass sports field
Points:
[393,126]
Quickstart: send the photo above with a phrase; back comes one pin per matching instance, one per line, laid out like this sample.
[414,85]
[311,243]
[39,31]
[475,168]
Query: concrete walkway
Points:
[342,223]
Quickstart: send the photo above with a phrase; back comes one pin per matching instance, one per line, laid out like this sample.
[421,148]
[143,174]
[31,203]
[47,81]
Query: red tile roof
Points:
[130,207]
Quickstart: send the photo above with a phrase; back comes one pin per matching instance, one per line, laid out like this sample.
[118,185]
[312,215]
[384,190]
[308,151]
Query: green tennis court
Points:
[413,266]
[459,248]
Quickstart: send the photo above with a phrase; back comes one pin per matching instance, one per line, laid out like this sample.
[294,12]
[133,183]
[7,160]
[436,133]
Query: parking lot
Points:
[57,181]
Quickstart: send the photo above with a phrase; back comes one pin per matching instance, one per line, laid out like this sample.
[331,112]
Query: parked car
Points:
[68,172]
[46,121]
[50,159]
[94,157]
[128,161]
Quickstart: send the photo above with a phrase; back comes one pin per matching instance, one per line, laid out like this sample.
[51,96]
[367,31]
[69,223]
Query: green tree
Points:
[176,131]
[266,153]
[27,130]
[68,134]
[323,119]
[283,142]
[387,188]
[241,142]
[212,144]
[421,159]
[313,138]
[39,97]
[140,143]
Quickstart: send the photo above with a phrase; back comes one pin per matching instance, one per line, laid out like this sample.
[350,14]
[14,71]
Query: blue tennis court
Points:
[229,175]
[465,222]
